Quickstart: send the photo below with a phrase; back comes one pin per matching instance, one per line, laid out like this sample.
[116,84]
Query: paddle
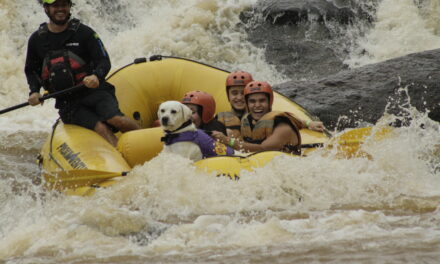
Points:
[79,178]
[51,95]
[358,135]
[348,143]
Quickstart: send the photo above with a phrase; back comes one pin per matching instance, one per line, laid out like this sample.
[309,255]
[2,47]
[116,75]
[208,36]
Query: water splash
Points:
[398,30]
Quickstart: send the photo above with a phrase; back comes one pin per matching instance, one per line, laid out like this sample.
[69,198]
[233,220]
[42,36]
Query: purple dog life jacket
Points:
[208,146]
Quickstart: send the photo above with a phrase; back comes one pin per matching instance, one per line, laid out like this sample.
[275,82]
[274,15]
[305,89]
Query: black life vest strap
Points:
[253,141]
[43,31]
[296,150]
[74,24]
[234,127]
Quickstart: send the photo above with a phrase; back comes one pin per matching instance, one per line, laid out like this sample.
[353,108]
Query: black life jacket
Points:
[62,68]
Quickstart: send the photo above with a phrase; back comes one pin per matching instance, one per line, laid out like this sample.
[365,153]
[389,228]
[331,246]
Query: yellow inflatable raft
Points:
[77,160]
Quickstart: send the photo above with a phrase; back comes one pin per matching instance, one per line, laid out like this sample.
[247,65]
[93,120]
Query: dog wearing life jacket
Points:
[183,138]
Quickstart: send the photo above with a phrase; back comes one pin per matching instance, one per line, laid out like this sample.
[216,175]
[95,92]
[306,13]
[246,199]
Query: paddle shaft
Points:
[51,95]
[70,176]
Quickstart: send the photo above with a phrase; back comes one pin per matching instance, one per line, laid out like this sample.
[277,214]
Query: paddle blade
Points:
[358,135]
[62,180]
[349,143]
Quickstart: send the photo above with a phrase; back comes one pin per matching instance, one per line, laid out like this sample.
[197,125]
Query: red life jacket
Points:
[62,69]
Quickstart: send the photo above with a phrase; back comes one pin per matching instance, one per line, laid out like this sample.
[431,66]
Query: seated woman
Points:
[203,107]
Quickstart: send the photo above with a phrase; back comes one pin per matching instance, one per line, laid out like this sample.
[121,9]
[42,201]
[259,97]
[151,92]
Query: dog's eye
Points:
[173,111]
[162,111]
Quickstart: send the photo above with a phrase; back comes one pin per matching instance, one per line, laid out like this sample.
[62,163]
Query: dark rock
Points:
[306,38]
[287,11]
[362,94]
[309,39]
[293,54]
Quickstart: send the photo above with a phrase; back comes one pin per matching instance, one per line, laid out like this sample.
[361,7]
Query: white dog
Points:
[175,118]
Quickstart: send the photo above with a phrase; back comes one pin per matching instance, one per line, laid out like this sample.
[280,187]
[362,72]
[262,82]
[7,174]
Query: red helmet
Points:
[238,78]
[205,100]
[259,87]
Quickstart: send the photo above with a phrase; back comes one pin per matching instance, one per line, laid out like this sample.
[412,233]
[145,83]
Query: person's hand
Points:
[317,126]
[34,99]
[91,81]
[220,137]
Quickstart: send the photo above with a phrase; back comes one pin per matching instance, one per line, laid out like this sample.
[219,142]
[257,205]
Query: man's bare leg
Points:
[123,123]
[104,131]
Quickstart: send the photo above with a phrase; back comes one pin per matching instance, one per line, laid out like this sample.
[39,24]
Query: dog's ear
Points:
[186,112]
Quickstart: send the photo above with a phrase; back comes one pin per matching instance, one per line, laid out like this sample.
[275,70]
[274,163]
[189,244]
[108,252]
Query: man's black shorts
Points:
[98,105]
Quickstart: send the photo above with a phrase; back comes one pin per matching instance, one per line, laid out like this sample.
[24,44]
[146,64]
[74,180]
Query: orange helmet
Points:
[238,78]
[259,87]
[205,100]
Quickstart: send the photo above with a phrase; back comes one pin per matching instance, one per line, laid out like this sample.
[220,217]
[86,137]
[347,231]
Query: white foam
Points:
[400,28]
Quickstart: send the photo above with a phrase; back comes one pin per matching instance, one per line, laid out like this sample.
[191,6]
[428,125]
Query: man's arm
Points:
[32,68]
[99,56]
[282,134]
[312,125]
[99,59]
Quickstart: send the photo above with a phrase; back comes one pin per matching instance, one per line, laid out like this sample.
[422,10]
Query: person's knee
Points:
[117,121]
[123,123]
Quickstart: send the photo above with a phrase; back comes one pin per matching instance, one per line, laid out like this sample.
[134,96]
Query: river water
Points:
[380,210]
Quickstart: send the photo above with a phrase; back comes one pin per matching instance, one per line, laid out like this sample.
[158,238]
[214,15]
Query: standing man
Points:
[263,129]
[64,53]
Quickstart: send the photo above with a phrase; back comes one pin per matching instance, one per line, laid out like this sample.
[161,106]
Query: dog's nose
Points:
[164,121]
